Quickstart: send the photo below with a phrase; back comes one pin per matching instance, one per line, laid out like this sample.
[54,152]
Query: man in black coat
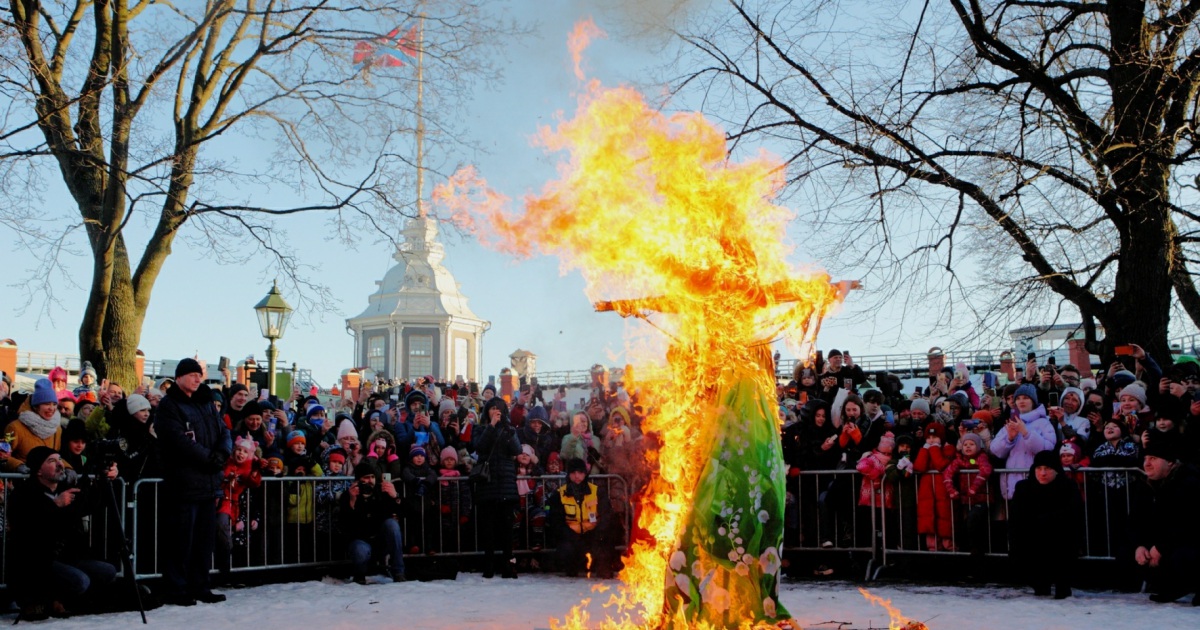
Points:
[840,373]
[1046,519]
[369,516]
[194,445]
[498,447]
[1165,511]
[49,561]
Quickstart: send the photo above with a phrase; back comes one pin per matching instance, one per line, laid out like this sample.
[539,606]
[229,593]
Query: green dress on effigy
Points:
[726,569]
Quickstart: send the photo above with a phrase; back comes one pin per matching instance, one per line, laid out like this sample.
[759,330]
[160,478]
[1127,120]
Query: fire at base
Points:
[664,227]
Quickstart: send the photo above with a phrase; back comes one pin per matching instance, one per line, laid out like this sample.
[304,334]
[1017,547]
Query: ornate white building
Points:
[418,322]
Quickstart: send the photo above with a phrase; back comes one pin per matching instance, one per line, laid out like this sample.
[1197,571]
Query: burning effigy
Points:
[665,227]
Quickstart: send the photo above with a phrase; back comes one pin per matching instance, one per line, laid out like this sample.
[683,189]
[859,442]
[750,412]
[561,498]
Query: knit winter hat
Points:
[1070,448]
[971,437]
[620,411]
[1123,378]
[252,408]
[417,449]
[346,429]
[449,452]
[554,459]
[919,404]
[833,353]
[1163,445]
[136,402]
[314,410]
[43,392]
[576,465]
[89,370]
[87,397]
[447,404]
[246,443]
[1135,390]
[1046,458]
[363,469]
[887,443]
[274,462]
[936,429]
[527,449]
[337,456]
[1027,390]
[38,456]
[296,436]
[57,374]
[66,395]
[188,366]
[75,431]
[961,399]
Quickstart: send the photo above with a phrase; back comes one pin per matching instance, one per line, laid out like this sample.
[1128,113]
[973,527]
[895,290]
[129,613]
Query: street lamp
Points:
[273,315]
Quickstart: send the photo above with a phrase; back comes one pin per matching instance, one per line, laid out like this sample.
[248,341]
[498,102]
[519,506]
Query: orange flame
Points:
[896,621]
[649,209]
[578,41]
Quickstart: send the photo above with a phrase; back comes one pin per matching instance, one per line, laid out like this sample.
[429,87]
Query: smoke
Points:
[651,19]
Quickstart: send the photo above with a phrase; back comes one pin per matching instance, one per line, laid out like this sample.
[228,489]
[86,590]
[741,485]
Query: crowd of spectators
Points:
[426,468]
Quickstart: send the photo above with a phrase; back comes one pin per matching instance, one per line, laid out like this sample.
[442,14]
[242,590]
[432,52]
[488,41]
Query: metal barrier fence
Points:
[922,518]
[296,519]
[102,527]
[296,522]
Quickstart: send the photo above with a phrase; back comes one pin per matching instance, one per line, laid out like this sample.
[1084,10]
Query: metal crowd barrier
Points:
[297,525]
[102,527]
[823,516]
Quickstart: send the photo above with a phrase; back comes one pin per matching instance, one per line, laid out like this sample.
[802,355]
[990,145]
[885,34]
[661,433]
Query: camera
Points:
[104,453]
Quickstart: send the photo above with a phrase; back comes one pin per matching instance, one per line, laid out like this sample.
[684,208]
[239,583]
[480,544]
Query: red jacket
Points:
[933,501]
[234,483]
[970,489]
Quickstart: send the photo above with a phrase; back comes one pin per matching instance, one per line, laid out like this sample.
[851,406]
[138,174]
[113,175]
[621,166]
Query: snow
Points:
[530,601]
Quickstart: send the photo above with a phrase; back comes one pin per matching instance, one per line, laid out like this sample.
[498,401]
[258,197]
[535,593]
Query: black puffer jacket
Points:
[192,466]
[498,445]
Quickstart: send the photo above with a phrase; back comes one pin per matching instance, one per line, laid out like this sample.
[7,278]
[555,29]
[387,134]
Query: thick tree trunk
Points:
[117,326]
[1140,309]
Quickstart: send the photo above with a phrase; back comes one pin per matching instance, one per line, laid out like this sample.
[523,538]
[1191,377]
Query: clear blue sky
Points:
[199,305]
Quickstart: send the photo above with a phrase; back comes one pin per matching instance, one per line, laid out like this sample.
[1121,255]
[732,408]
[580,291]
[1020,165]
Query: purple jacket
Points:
[1018,454]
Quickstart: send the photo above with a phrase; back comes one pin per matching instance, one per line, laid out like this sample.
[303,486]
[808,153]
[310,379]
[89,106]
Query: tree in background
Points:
[1002,158]
[218,116]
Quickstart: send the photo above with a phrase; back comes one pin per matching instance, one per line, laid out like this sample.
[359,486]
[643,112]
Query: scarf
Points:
[39,426]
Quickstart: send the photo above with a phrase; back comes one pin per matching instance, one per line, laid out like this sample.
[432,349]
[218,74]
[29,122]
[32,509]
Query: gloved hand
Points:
[904,464]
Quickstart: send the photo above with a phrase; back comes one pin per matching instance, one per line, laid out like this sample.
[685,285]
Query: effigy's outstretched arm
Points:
[638,307]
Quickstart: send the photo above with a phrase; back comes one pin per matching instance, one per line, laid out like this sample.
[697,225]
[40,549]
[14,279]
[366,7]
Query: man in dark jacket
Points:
[1166,510]
[48,544]
[1046,518]
[369,516]
[496,498]
[194,445]
[840,373]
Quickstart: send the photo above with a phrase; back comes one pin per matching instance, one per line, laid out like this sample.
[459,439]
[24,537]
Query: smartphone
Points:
[917,390]
[223,364]
[946,406]
[1050,360]
[891,419]
[804,397]
[1031,357]
[387,476]
[1124,351]
[263,393]
[1053,399]
[848,384]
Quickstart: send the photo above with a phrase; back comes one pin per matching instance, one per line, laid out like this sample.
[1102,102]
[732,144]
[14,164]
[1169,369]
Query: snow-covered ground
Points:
[529,602]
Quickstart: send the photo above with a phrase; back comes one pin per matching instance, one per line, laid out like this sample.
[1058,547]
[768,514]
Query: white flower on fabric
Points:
[721,530]
[677,560]
[733,556]
[763,516]
[715,596]
[697,570]
[740,551]
[769,607]
[769,561]
[683,584]
[748,559]
[742,569]
[737,541]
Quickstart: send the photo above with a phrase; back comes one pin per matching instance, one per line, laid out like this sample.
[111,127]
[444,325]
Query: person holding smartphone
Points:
[840,373]
[1026,432]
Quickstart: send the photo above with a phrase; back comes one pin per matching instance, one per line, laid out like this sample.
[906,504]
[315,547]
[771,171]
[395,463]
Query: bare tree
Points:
[222,115]
[1003,158]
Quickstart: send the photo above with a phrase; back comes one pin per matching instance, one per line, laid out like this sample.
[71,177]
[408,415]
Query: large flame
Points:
[663,226]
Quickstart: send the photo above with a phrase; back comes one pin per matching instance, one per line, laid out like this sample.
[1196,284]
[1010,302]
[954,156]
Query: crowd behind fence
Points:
[823,517]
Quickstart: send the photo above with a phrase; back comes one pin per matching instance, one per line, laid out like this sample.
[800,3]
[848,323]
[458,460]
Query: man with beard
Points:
[369,516]
[48,542]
